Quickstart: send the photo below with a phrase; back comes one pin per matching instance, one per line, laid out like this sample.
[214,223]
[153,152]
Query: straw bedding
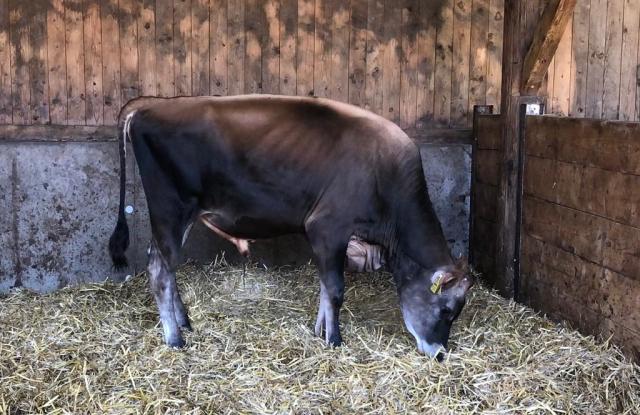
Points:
[98,349]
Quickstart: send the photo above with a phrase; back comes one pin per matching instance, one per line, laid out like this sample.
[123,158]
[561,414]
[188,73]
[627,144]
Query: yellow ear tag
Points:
[436,287]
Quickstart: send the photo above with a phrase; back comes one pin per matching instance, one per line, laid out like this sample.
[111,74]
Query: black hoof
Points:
[187,326]
[335,340]
[178,343]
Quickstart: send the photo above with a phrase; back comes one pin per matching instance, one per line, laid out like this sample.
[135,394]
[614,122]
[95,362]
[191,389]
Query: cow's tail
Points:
[119,241]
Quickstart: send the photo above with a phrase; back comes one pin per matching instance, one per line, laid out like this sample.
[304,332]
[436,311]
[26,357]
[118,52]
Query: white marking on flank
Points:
[128,210]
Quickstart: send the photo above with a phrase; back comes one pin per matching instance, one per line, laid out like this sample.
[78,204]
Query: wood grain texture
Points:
[147,48]
[165,62]
[478,51]
[74,51]
[563,68]
[94,98]
[443,55]
[520,18]
[426,70]
[613,60]
[184,47]
[589,189]
[461,54]
[391,60]
[489,133]
[110,61]
[288,39]
[254,28]
[595,298]
[129,86]
[340,32]
[629,80]
[219,44]
[549,31]
[494,53]
[182,38]
[270,47]
[603,144]
[322,48]
[409,64]
[305,48]
[39,87]
[57,65]
[596,61]
[486,201]
[6,105]
[444,62]
[488,167]
[236,39]
[375,56]
[20,55]
[358,52]
[201,36]
[580,58]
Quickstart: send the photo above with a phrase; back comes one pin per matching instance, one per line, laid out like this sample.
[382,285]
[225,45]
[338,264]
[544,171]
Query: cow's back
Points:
[268,159]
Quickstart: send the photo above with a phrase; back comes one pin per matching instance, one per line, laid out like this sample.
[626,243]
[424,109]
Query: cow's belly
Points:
[248,226]
[360,256]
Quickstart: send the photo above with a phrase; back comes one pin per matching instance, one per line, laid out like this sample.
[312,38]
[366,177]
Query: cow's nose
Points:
[433,350]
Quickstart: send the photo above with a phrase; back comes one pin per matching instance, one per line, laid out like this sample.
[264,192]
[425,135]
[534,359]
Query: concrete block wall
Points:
[59,195]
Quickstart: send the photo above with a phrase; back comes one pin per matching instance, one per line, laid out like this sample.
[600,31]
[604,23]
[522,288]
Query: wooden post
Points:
[477,111]
[520,18]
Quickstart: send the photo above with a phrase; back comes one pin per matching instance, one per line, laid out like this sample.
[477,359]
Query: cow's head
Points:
[431,301]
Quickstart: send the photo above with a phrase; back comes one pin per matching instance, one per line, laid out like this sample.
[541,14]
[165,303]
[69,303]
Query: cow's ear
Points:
[439,279]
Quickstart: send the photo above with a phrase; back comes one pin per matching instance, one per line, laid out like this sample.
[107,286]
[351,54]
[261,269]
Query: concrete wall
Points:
[59,195]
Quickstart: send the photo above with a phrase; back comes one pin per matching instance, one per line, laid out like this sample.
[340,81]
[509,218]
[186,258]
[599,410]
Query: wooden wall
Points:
[580,257]
[418,62]
[487,158]
[595,72]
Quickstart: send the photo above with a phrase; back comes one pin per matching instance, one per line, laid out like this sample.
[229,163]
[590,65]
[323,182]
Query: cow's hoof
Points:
[335,340]
[186,326]
[178,343]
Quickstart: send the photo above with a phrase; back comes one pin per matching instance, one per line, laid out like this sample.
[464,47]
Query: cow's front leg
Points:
[331,298]
[329,246]
[182,316]
[163,286]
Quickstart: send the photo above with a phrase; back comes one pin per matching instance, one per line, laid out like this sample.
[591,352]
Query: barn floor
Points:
[98,349]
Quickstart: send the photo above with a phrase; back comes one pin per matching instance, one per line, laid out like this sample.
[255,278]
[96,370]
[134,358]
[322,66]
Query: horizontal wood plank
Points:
[15,133]
[440,135]
[593,238]
[594,299]
[590,189]
[609,145]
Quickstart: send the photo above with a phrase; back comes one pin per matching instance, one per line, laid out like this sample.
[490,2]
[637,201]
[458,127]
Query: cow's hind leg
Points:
[169,225]
[163,287]
[182,315]
[330,249]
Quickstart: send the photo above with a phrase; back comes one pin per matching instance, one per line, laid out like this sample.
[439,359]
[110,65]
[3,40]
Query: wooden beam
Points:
[519,19]
[34,133]
[545,42]
[440,136]
[56,133]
